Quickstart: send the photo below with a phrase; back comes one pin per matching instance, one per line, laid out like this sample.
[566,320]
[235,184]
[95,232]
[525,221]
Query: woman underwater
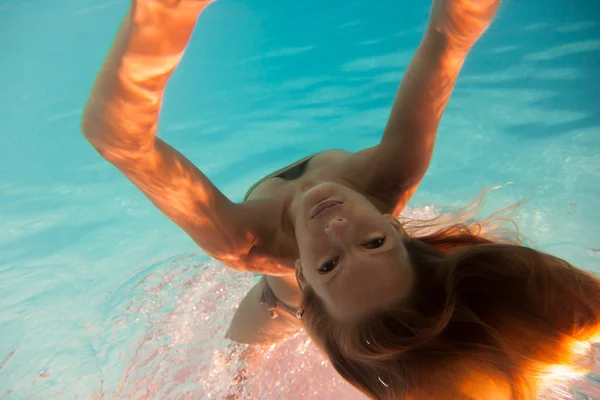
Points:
[446,315]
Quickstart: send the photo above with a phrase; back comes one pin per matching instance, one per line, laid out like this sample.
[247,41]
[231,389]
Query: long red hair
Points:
[486,320]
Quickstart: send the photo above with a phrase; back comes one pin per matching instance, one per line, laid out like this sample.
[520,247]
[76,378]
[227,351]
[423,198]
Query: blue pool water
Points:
[102,297]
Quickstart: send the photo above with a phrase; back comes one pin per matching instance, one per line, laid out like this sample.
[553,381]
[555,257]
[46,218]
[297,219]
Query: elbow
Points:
[85,125]
[92,130]
[115,145]
[96,132]
[88,126]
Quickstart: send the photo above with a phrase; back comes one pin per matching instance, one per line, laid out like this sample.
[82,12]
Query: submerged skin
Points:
[275,232]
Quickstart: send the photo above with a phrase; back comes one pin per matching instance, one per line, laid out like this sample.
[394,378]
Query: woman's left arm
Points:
[404,153]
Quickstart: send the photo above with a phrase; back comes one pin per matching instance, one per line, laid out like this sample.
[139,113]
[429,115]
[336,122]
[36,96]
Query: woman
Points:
[263,233]
[383,305]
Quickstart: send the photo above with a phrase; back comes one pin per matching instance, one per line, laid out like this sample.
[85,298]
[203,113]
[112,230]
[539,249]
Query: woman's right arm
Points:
[121,117]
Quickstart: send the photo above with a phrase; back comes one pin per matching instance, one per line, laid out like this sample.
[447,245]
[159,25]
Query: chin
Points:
[324,191]
[320,192]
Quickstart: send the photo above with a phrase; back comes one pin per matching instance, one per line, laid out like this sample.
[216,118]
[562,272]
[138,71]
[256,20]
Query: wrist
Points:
[462,22]
[449,49]
[147,55]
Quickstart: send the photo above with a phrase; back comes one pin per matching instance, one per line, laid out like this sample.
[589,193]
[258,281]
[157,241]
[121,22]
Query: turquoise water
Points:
[102,297]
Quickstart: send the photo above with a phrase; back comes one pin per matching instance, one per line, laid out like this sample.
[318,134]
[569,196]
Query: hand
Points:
[462,21]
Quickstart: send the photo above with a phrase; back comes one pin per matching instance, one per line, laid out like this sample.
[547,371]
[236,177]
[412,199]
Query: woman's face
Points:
[351,255]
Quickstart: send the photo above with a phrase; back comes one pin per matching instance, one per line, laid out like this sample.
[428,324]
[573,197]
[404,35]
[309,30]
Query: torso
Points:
[274,198]
[321,166]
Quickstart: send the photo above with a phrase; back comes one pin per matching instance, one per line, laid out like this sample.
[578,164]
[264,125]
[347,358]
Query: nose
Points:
[336,228]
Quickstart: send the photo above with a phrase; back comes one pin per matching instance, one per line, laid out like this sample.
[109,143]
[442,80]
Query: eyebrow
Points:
[337,270]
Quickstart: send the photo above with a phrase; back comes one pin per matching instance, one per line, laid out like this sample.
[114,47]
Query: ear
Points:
[299,275]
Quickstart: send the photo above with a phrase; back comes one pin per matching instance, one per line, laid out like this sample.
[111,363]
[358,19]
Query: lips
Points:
[324,205]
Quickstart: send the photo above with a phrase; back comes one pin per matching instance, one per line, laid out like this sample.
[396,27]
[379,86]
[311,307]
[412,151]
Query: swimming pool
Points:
[102,297]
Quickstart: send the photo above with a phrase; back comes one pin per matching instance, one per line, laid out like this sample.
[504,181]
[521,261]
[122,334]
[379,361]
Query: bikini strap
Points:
[269,299]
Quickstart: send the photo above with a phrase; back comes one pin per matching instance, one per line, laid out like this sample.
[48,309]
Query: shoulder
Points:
[272,248]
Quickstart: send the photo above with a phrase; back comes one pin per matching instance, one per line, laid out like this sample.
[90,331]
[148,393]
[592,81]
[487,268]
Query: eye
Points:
[328,266]
[374,243]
